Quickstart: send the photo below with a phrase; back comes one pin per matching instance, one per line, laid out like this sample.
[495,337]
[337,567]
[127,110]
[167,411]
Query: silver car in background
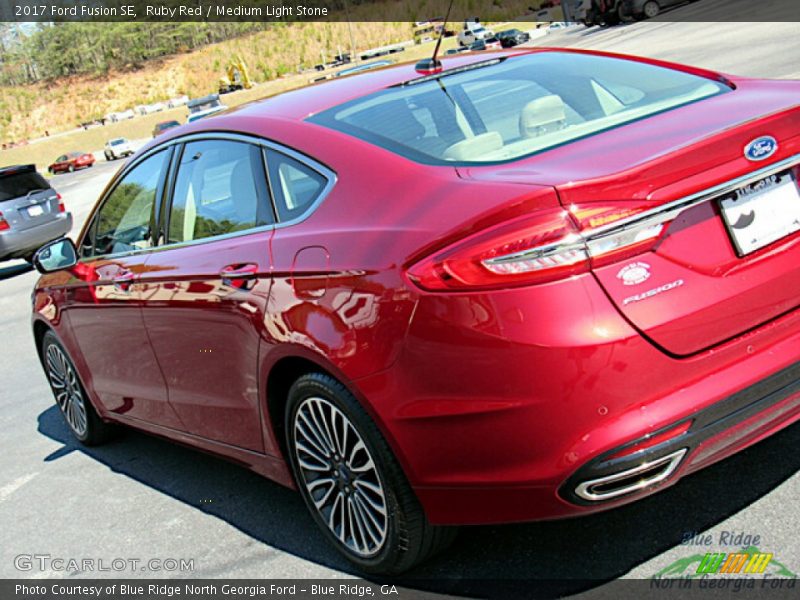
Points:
[31,212]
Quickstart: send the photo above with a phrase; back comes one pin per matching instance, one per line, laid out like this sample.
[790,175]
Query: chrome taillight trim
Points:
[571,242]
[590,240]
[670,462]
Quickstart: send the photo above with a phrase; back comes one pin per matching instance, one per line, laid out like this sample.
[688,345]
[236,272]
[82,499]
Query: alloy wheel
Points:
[651,9]
[340,476]
[67,389]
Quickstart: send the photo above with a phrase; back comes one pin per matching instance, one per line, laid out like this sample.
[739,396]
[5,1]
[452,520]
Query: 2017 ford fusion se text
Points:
[528,286]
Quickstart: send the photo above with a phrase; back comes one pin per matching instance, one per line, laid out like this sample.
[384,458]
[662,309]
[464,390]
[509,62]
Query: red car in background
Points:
[70,162]
[532,285]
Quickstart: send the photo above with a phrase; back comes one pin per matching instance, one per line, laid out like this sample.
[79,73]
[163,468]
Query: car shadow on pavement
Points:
[14,270]
[548,559]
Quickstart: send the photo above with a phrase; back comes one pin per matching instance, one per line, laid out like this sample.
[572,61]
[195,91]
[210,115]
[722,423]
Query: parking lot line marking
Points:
[12,487]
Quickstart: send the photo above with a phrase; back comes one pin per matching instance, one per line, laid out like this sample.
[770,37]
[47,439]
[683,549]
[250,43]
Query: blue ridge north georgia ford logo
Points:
[761,148]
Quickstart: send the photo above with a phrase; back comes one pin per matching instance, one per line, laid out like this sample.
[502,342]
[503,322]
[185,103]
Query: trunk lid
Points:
[704,281]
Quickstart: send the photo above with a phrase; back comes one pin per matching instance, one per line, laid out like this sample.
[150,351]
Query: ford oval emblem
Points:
[761,148]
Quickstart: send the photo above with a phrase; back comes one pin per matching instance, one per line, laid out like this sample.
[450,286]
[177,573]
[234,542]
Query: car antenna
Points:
[432,65]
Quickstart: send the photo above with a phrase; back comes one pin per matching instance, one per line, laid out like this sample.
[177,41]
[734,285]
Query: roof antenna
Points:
[431,66]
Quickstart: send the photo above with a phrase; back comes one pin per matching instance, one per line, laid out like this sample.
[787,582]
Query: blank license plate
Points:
[35,210]
[762,213]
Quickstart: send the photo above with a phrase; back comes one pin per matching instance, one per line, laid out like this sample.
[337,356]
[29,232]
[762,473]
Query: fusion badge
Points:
[654,292]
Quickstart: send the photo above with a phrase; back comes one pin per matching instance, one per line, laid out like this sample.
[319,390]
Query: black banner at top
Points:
[422,11]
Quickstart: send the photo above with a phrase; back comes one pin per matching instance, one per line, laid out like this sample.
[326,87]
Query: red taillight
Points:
[532,249]
[61,207]
[3,223]
[537,248]
[606,244]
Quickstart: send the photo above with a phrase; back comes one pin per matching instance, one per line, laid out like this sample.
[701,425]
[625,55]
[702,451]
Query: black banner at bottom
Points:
[707,587]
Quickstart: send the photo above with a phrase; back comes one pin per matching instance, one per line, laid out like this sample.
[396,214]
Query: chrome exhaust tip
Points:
[631,480]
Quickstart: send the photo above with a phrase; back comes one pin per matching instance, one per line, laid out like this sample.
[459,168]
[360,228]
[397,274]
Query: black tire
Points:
[95,431]
[407,537]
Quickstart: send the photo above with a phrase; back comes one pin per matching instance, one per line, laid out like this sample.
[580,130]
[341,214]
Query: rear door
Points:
[26,199]
[205,289]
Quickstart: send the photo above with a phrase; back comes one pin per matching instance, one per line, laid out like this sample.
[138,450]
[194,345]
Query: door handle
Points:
[237,275]
[123,281]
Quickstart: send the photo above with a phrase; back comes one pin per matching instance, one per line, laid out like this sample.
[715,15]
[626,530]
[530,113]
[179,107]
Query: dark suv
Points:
[512,37]
[31,212]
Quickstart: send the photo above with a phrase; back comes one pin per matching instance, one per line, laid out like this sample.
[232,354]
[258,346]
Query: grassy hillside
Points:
[43,152]
[26,112]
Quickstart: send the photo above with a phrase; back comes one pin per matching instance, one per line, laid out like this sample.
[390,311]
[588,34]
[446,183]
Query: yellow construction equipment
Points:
[237,79]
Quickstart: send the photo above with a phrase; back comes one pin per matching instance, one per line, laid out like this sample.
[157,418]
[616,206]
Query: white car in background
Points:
[179,101]
[473,32]
[117,148]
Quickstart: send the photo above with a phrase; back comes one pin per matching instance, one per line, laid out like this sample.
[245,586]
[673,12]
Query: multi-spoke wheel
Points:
[351,482]
[339,475]
[66,389]
[69,393]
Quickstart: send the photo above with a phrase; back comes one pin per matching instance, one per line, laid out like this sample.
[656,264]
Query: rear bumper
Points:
[17,243]
[502,404]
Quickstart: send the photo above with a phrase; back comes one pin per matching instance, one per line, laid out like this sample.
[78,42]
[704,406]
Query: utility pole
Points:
[353,55]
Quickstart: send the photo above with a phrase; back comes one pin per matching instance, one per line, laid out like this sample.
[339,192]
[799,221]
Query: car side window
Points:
[123,221]
[220,188]
[295,186]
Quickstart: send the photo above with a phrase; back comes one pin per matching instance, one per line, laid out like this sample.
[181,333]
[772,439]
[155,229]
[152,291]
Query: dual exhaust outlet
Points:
[630,480]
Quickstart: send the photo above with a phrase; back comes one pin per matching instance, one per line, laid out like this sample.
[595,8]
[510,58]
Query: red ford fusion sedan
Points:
[525,287]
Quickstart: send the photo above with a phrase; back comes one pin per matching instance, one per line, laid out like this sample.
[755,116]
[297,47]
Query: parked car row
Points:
[613,12]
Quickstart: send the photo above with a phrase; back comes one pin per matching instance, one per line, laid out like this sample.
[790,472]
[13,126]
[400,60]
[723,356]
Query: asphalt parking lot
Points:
[144,498]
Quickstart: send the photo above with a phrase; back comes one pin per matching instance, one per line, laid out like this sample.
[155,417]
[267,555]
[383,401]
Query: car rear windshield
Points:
[512,108]
[16,185]
[118,141]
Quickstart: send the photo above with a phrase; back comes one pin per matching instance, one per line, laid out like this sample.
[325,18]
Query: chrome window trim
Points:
[264,144]
[592,238]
